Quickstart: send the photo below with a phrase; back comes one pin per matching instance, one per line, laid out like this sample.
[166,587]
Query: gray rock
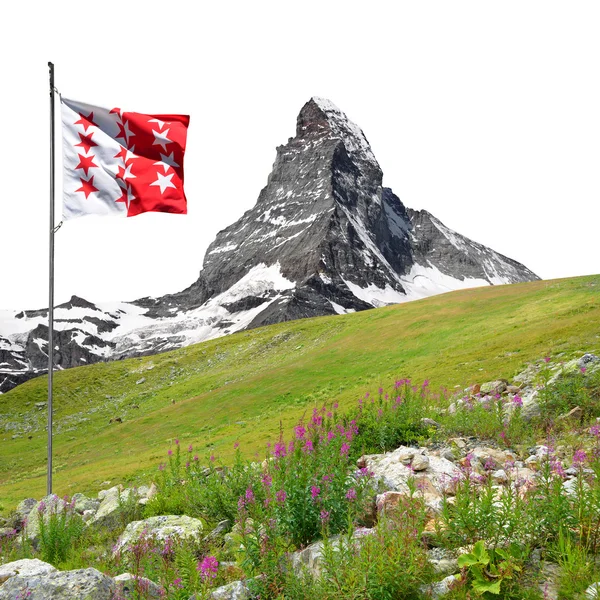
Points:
[81,584]
[493,387]
[420,462]
[588,359]
[46,506]
[82,503]
[160,528]
[26,567]
[593,591]
[440,588]
[126,586]
[221,529]
[236,590]
[24,507]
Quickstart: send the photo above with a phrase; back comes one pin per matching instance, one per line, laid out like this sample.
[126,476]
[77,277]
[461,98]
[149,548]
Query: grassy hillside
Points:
[242,387]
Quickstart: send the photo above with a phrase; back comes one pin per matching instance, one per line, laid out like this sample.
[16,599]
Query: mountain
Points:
[324,237]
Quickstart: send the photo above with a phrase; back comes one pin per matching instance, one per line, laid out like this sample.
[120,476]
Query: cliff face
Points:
[324,237]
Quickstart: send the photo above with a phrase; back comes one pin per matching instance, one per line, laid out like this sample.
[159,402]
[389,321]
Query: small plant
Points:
[489,570]
[60,528]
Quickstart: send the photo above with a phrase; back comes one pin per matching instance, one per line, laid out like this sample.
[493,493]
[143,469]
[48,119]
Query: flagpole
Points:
[51,283]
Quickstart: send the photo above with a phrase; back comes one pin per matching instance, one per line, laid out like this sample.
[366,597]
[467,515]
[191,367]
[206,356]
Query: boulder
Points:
[82,503]
[440,588]
[46,506]
[86,584]
[420,462]
[160,528]
[26,567]
[310,557]
[434,481]
[126,587]
[113,501]
[493,387]
[236,590]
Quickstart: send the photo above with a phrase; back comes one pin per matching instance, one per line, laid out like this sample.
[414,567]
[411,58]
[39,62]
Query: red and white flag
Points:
[121,163]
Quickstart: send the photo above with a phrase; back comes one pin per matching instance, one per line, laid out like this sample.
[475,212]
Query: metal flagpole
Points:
[51,283]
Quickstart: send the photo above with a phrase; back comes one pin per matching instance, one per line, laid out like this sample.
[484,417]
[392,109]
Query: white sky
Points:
[486,114]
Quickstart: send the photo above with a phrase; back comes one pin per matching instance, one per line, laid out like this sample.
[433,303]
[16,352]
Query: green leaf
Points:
[481,553]
[466,560]
[493,587]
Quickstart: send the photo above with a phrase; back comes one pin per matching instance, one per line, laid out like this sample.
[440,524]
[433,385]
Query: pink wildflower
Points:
[208,568]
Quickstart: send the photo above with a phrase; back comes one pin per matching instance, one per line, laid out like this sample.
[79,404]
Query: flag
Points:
[121,163]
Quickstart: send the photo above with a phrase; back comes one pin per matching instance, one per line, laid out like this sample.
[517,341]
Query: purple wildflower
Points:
[208,568]
[170,452]
[279,449]
[190,448]
[579,457]
[325,517]
[236,445]
[300,432]
[345,448]
[351,495]
[315,491]
[249,496]
[267,480]
[280,496]
[517,400]
[176,442]
[161,467]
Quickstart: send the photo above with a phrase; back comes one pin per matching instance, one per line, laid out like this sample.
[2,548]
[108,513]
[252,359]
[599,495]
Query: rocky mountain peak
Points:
[320,118]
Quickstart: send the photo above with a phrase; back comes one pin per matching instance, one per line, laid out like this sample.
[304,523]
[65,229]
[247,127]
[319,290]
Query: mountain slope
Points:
[325,237]
[243,386]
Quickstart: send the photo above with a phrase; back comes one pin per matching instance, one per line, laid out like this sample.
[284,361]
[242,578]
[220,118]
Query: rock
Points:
[500,476]
[593,591]
[587,359]
[83,584]
[26,567]
[420,462]
[111,507]
[160,528]
[441,588]
[82,503]
[221,529]
[236,590]
[46,506]
[114,501]
[126,586]
[406,456]
[493,387]
[25,506]
[549,585]
[513,389]
[310,557]
[427,422]
[394,475]
[140,381]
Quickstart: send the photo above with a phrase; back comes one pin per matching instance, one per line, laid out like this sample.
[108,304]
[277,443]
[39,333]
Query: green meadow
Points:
[246,387]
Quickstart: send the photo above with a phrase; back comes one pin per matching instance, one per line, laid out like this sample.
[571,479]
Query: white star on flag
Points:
[161,124]
[167,161]
[164,182]
[128,174]
[161,139]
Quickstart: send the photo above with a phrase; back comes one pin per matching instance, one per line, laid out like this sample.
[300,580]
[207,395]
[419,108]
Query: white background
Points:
[486,114]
